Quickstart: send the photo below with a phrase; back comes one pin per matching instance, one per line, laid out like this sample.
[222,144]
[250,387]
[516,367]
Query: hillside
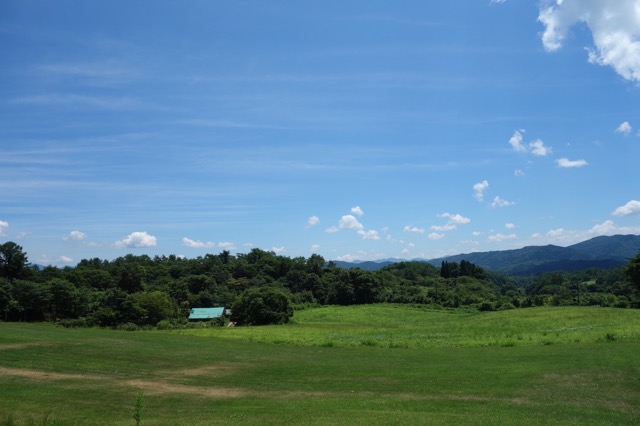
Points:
[600,252]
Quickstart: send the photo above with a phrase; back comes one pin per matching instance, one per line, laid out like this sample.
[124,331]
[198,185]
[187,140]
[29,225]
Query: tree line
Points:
[144,291]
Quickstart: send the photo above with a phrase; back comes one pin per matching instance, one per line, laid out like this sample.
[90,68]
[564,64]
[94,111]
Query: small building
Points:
[205,314]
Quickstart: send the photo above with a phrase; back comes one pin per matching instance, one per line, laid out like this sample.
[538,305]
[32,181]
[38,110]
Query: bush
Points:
[262,306]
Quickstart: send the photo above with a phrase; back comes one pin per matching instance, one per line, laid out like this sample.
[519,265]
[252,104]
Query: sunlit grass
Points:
[398,326]
[373,365]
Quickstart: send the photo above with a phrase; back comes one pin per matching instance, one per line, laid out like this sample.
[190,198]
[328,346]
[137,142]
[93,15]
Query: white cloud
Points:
[567,237]
[498,238]
[614,25]
[413,229]
[226,245]
[632,208]
[509,225]
[499,202]
[369,235]
[278,250]
[444,228]
[516,142]
[624,128]
[137,240]
[313,220]
[479,189]
[565,163]
[518,173]
[452,223]
[357,211]
[435,236]
[188,242]
[4,226]
[538,148]
[75,236]
[456,218]
[314,248]
[65,259]
[349,222]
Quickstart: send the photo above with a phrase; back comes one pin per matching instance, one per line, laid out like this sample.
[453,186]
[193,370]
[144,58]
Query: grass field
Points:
[376,364]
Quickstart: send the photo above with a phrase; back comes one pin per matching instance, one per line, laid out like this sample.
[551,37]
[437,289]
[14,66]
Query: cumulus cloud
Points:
[369,235]
[614,25]
[567,236]
[313,220]
[453,220]
[565,163]
[188,242]
[137,240]
[537,147]
[632,208]
[314,248]
[498,238]
[65,259]
[226,245]
[357,211]
[624,128]
[75,236]
[350,223]
[516,142]
[479,189]
[435,236]
[278,250]
[4,226]
[509,225]
[413,229]
[499,202]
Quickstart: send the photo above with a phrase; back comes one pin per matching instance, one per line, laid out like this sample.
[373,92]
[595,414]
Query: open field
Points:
[377,364]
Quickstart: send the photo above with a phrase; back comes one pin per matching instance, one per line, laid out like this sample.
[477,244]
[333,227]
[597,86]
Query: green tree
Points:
[155,306]
[262,306]
[13,261]
[632,271]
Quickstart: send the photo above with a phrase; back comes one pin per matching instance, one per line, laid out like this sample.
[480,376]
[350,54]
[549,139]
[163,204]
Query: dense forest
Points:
[140,291]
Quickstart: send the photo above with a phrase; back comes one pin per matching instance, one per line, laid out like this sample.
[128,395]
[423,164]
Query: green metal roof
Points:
[206,313]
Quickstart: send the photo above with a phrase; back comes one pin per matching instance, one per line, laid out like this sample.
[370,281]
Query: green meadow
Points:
[367,364]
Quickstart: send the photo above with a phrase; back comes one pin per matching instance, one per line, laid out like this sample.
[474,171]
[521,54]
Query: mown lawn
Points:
[378,364]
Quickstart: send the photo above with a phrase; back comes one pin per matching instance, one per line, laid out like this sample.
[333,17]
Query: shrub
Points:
[262,306]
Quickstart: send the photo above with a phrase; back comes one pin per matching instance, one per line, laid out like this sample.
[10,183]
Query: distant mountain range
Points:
[599,252]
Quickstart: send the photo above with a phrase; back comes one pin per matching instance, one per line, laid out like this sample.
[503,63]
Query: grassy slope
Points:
[381,364]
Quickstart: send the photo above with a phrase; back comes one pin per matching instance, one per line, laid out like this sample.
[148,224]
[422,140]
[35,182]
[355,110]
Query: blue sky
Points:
[352,129]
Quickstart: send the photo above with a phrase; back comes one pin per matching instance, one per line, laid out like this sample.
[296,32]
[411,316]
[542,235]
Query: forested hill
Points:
[602,252]
[599,252]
